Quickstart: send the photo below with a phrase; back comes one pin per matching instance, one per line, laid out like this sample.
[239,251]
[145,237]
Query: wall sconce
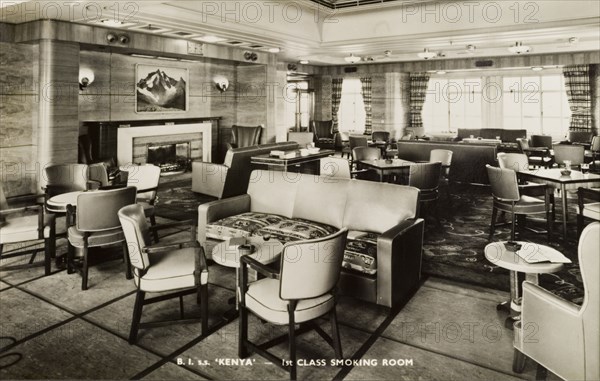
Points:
[250,56]
[111,38]
[221,83]
[86,77]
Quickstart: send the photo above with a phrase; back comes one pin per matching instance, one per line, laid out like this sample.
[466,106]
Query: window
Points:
[536,103]
[352,115]
[452,103]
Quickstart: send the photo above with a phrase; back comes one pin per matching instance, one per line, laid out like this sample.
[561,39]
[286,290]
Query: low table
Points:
[382,166]
[497,254]
[266,252]
[284,163]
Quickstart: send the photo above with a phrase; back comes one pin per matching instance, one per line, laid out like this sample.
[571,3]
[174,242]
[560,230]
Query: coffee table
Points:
[382,165]
[497,254]
[229,256]
[284,163]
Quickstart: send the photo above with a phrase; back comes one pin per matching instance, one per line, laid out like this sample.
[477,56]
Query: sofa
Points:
[506,135]
[231,178]
[382,259]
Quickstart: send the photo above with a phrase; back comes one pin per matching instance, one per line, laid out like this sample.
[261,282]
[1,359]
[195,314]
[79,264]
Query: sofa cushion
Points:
[377,207]
[273,192]
[321,200]
[296,229]
[361,252]
[241,225]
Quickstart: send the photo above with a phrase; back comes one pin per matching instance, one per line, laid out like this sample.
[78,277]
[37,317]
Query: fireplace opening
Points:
[170,157]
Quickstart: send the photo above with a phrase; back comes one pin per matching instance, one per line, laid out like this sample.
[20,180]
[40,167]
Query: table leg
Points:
[563,195]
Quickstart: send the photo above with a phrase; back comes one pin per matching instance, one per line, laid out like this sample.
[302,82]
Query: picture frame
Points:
[161,89]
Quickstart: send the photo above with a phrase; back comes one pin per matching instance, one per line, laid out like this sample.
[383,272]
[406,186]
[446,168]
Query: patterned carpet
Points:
[453,250]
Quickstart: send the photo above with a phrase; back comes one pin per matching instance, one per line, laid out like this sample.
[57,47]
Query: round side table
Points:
[265,252]
[497,254]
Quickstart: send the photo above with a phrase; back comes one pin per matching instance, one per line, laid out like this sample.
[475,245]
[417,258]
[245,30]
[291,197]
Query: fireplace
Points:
[170,157]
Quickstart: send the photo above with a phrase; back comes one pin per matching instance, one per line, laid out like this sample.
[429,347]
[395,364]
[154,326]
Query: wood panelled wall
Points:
[19,101]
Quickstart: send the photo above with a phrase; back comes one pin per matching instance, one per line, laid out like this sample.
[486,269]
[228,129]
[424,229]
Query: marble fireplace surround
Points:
[199,135]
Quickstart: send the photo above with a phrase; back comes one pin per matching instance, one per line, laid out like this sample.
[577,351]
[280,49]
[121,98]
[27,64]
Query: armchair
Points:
[536,156]
[63,178]
[589,210]
[178,268]
[97,224]
[572,152]
[25,224]
[285,298]
[145,179]
[244,136]
[560,336]
[323,130]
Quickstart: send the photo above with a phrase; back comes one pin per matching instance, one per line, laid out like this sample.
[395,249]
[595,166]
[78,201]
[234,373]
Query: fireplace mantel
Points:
[126,136]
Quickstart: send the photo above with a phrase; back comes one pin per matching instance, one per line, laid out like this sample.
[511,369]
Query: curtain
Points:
[336,97]
[577,85]
[367,93]
[418,90]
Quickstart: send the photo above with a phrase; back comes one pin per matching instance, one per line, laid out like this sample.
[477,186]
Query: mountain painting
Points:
[161,89]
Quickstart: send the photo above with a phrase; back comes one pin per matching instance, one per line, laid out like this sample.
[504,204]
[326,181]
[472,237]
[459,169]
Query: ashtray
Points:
[246,249]
[565,172]
[389,161]
[512,246]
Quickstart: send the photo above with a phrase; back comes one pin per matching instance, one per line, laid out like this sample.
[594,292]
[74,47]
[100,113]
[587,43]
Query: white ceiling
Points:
[307,30]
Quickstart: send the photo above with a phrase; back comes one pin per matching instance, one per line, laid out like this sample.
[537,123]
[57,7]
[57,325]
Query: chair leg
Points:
[204,308]
[84,268]
[518,361]
[541,373]
[137,316]
[128,272]
[153,223]
[493,224]
[292,338]
[337,345]
[512,228]
[70,258]
[243,332]
[49,248]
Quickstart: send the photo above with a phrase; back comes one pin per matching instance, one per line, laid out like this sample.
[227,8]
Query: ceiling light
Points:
[167,58]
[573,40]
[274,50]
[352,58]
[519,48]
[426,54]
[212,39]
[304,62]
[441,72]
[537,68]
[141,55]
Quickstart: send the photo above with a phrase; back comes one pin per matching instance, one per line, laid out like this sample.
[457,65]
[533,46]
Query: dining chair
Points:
[244,136]
[146,179]
[63,178]
[25,224]
[365,153]
[286,298]
[557,334]
[507,198]
[536,157]
[572,152]
[520,162]
[97,224]
[443,156]
[426,178]
[594,153]
[177,269]
[589,210]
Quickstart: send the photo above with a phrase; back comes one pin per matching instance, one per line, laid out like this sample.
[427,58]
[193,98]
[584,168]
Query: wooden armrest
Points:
[29,208]
[162,247]
[172,225]
[256,265]
[147,189]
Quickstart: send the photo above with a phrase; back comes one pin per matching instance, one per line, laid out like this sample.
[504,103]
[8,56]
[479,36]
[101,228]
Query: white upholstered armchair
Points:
[560,336]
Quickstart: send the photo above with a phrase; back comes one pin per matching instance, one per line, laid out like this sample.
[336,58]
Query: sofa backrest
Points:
[377,207]
[355,204]
[464,133]
[238,161]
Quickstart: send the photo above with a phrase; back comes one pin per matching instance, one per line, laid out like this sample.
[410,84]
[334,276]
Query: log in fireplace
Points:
[170,157]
